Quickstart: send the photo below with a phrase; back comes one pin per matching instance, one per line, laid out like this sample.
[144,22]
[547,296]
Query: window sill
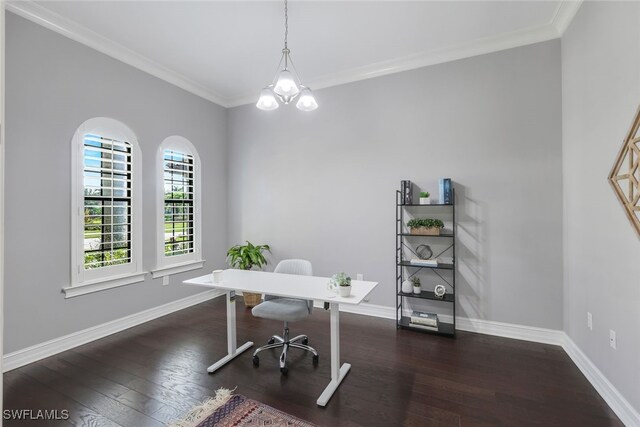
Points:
[177,268]
[102,284]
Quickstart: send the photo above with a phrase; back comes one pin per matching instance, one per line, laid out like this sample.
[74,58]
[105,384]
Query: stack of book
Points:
[425,262]
[424,320]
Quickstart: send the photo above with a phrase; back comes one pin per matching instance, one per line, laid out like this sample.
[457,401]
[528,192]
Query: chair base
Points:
[276,341]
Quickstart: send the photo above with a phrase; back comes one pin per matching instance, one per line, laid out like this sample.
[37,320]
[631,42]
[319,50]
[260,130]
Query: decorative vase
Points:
[425,200]
[344,291]
[417,290]
[407,287]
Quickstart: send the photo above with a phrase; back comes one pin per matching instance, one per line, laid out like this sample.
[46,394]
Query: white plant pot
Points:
[344,291]
[417,290]
[425,200]
[407,287]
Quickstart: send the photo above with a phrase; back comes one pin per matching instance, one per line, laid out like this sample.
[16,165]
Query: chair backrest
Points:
[301,267]
[294,266]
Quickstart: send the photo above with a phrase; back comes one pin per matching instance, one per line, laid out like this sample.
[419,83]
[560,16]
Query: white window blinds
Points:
[107,178]
[178,172]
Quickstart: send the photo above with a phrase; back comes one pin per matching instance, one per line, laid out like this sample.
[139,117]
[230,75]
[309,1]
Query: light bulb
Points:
[306,102]
[286,85]
[267,100]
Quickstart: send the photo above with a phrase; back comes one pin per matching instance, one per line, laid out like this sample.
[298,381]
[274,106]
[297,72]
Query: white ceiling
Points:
[226,51]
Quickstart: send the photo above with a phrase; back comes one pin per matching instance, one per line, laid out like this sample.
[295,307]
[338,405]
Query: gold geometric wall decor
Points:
[625,175]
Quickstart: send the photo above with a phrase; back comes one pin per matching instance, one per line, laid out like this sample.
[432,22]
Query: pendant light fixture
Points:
[286,84]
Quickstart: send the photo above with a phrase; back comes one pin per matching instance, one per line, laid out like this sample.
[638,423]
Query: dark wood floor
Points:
[153,373]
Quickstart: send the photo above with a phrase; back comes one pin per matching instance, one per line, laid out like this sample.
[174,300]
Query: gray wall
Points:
[600,95]
[53,85]
[322,186]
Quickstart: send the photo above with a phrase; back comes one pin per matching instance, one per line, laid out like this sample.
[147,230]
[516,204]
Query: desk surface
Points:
[285,285]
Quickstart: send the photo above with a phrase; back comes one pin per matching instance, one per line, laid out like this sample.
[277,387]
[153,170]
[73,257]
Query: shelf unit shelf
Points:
[428,295]
[441,266]
[425,235]
[432,204]
[402,265]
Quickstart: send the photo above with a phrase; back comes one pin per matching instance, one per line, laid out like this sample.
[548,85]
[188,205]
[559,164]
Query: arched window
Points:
[106,204]
[179,224]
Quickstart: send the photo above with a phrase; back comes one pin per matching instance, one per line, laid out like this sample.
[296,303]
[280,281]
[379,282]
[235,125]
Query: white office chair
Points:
[287,310]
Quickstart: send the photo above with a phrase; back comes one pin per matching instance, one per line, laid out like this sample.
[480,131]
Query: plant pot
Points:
[425,200]
[417,290]
[251,299]
[407,287]
[426,231]
[344,291]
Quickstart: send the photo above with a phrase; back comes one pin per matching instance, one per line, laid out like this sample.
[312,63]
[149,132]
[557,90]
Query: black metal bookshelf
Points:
[406,269]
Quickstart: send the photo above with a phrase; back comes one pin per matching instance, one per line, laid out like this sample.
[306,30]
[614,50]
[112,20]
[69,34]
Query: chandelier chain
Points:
[286,23]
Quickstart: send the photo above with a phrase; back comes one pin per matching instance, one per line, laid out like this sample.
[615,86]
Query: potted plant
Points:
[246,257]
[425,226]
[341,283]
[416,285]
[424,198]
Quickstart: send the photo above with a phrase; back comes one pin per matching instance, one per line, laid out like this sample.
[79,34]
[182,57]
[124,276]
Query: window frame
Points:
[168,265]
[83,280]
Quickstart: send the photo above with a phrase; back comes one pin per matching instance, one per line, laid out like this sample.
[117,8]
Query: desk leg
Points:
[337,372]
[232,350]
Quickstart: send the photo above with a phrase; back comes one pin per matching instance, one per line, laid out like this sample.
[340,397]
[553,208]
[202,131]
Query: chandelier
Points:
[286,85]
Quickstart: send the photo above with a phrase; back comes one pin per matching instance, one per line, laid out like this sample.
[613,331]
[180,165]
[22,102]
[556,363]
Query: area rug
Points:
[227,410]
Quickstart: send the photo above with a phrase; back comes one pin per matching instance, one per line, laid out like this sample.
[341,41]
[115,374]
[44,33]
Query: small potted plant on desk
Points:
[426,226]
[341,283]
[424,198]
[246,257]
[417,288]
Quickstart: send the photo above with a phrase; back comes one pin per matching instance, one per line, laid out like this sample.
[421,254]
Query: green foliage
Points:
[341,279]
[247,256]
[105,259]
[425,222]
[416,281]
[424,194]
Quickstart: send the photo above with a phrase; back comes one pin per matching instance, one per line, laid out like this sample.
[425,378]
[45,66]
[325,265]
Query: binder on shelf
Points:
[444,185]
[407,192]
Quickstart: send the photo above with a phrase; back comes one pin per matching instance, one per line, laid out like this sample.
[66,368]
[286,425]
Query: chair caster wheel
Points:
[271,341]
[315,359]
[305,341]
[284,371]
[256,361]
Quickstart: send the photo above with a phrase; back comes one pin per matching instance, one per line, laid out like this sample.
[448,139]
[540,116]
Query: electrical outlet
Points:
[589,321]
[359,276]
[612,339]
[165,280]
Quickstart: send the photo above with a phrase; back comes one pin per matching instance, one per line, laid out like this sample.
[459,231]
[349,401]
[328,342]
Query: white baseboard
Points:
[57,345]
[616,401]
[367,309]
[487,327]
[510,330]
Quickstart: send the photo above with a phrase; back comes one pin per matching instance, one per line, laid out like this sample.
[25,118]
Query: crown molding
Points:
[68,28]
[563,16]
[477,47]
[565,13]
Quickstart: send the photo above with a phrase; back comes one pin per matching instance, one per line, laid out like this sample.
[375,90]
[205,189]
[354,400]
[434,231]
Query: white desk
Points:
[292,286]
